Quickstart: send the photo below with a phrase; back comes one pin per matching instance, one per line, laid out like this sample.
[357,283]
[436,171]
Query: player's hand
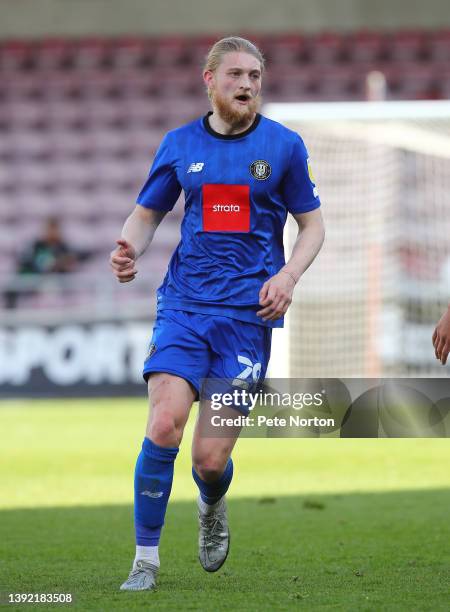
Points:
[441,337]
[123,261]
[276,296]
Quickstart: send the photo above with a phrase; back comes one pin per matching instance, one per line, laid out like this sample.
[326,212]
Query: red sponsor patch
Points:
[226,208]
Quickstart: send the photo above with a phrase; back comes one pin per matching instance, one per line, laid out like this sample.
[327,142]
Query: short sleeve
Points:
[161,189]
[299,189]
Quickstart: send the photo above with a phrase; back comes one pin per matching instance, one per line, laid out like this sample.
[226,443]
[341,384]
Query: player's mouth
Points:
[242,98]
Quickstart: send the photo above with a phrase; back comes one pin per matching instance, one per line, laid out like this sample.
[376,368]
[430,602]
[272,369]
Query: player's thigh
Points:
[170,401]
[241,354]
[178,358]
[177,348]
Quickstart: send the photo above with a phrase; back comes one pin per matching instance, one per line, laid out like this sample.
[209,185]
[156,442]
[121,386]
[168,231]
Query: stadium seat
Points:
[145,112]
[439,46]
[338,83]
[189,110]
[99,84]
[64,86]
[71,204]
[144,139]
[27,114]
[25,233]
[408,81]
[7,266]
[197,48]
[22,86]
[365,46]
[16,55]
[92,53]
[170,51]
[47,298]
[29,173]
[325,47]
[9,241]
[407,45]
[112,203]
[183,82]
[35,205]
[131,52]
[54,54]
[284,50]
[445,84]
[86,236]
[8,212]
[100,113]
[6,145]
[27,144]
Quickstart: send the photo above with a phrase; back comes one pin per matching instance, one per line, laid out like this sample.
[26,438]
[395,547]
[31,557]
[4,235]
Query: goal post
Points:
[368,305]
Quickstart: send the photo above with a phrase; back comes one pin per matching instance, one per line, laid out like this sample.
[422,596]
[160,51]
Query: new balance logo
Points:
[196,167]
[154,494]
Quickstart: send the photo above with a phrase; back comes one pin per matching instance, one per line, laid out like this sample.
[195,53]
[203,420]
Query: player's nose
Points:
[245,83]
[245,89]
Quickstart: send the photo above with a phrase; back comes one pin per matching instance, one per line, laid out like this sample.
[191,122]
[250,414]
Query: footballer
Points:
[226,288]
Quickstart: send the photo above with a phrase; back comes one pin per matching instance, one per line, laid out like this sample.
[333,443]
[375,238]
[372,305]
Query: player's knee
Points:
[163,430]
[209,469]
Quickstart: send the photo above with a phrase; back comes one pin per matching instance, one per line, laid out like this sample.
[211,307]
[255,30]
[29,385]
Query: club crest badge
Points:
[260,170]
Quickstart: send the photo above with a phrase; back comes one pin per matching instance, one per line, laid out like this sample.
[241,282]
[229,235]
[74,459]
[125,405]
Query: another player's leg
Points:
[212,471]
[170,398]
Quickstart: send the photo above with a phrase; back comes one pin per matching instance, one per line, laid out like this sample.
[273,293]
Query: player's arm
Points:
[137,234]
[441,337]
[310,237]
[276,293]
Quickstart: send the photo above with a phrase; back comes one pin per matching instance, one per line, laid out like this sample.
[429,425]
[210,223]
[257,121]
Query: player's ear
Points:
[208,77]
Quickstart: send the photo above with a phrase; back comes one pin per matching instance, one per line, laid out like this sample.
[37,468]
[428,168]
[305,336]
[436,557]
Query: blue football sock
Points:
[211,492]
[152,485]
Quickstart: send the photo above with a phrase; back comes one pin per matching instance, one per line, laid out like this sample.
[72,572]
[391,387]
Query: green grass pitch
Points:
[317,524]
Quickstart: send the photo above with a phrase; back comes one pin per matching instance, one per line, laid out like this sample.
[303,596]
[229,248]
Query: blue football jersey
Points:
[238,190]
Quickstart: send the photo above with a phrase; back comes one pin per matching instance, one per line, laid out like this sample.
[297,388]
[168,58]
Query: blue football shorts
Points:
[196,346]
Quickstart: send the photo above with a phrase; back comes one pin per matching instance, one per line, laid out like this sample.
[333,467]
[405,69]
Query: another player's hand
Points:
[441,337]
[123,261]
[276,296]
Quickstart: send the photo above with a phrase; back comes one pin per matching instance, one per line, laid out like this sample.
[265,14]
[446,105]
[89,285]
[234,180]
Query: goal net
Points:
[368,305]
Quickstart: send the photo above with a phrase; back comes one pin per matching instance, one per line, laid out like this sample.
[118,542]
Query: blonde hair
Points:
[229,45]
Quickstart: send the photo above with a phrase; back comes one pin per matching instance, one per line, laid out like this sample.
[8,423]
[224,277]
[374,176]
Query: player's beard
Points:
[233,116]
